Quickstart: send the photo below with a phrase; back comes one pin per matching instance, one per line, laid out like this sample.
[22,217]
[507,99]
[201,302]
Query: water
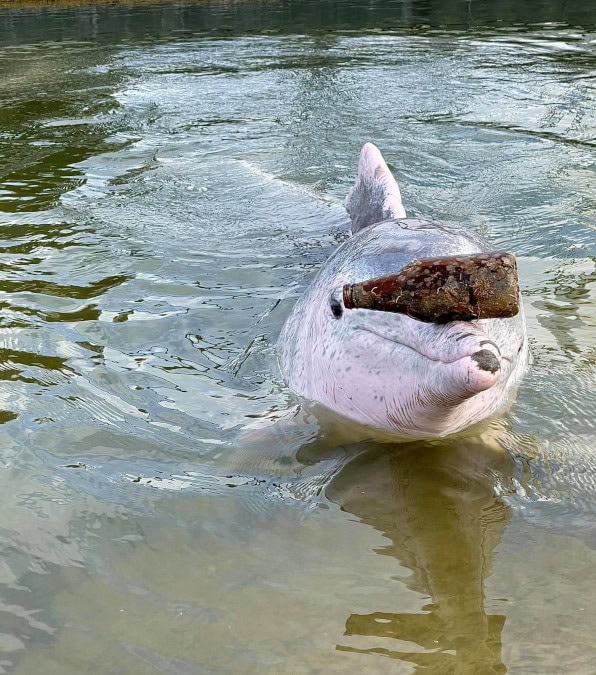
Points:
[171,177]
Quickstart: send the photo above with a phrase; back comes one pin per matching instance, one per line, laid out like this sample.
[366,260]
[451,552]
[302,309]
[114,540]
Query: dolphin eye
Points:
[336,308]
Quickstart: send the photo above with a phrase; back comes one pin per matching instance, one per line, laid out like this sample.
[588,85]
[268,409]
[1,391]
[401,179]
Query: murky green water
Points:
[171,177]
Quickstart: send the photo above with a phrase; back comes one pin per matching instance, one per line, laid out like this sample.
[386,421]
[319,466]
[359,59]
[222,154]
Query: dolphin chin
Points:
[389,370]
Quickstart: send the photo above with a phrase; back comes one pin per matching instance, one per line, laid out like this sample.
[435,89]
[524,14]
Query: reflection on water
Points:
[158,20]
[437,505]
[170,178]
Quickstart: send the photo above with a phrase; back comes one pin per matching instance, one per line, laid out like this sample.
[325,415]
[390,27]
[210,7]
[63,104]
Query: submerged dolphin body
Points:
[385,370]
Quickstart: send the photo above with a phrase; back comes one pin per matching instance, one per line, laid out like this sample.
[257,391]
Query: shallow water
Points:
[171,177]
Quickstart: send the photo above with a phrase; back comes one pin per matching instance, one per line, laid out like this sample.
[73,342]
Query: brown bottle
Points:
[438,290]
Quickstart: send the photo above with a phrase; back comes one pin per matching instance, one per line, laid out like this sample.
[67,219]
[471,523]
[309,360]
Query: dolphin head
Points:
[394,372]
[388,370]
[417,379]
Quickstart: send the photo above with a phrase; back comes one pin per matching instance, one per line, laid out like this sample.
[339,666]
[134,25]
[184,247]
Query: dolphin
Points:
[385,370]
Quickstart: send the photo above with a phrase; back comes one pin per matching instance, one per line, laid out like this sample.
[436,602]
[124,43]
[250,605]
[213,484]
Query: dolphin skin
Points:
[386,369]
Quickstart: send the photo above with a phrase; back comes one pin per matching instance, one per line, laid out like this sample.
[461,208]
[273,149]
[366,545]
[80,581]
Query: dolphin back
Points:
[375,196]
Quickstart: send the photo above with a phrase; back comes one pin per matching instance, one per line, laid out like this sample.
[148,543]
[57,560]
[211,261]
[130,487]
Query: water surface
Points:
[171,177]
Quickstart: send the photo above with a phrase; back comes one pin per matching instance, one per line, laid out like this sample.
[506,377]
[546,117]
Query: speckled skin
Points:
[386,370]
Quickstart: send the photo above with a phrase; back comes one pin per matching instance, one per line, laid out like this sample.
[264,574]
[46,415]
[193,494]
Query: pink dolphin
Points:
[386,370]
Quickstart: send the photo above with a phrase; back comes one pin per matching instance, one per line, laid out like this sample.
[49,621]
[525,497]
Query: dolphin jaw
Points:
[441,393]
[485,353]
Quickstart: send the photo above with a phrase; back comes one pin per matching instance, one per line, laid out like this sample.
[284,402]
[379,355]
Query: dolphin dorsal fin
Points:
[375,195]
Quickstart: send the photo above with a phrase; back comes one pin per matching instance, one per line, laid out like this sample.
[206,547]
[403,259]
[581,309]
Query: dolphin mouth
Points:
[486,359]
[477,367]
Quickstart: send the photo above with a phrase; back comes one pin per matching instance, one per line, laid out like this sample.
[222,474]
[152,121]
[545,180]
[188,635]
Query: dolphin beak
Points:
[483,371]
[439,290]
[472,374]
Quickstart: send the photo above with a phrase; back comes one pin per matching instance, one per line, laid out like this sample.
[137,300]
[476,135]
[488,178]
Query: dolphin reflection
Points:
[437,504]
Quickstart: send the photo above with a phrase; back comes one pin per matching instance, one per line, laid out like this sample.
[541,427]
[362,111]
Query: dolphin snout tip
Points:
[487,361]
[482,370]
